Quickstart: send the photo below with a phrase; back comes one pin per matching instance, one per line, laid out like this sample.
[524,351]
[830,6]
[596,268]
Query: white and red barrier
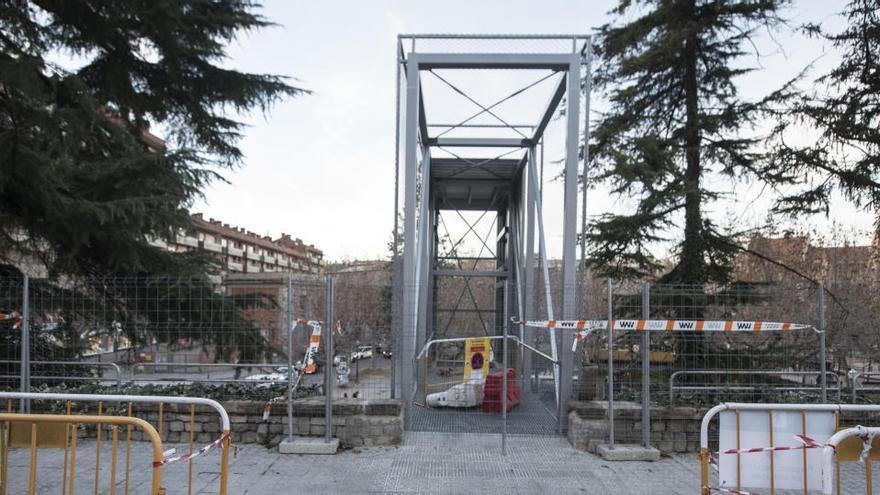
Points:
[186,457]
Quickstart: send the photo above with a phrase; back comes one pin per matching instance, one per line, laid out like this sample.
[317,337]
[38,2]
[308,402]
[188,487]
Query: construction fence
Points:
[268,338]
[277,337]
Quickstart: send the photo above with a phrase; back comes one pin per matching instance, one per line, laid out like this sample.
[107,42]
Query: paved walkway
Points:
[427,463]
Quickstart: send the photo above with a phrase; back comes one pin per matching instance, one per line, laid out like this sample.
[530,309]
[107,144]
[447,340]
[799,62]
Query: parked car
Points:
[265,380]
[362,352]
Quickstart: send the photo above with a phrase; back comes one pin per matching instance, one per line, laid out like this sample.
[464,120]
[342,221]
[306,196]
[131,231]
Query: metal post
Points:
[569,231]
[290,327]
[395,258]
[328,371]
[407,335]
[610,367]
[529,267]
[542,249]
[25,405]
[854,383]
[646,368]
[824,378]
[588,84]
[504,376]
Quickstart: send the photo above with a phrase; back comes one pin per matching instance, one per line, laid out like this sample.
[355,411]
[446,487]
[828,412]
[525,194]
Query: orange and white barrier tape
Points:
[308,360]
[183,458]
[15,315]
[585,327]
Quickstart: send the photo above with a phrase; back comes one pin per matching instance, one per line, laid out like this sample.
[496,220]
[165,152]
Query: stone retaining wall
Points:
[673,429]
[356,422]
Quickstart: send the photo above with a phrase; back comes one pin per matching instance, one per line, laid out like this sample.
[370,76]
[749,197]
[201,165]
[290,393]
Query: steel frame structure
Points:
[507,187]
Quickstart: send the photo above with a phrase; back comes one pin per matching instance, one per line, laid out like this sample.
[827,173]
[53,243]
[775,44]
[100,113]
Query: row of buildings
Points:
[239,250]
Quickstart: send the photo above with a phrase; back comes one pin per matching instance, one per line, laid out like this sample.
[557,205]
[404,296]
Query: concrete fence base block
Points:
[309,445]
[622,452]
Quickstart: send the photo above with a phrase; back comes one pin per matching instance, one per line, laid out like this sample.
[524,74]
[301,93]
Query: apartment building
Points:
[241,251]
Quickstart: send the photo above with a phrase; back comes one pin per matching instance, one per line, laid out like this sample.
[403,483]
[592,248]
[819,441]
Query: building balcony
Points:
[187,241]
[235,267]
[253,256]
[212,247]
[234,251]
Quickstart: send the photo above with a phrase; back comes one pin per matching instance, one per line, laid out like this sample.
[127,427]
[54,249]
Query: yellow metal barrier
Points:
[35,431]
[69,441]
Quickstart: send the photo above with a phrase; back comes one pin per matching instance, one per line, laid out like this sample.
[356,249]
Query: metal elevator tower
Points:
[485,177]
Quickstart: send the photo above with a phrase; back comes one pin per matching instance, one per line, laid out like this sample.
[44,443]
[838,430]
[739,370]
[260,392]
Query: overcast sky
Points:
[321,167]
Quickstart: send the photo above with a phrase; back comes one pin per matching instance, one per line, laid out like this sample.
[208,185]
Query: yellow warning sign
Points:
[476,359]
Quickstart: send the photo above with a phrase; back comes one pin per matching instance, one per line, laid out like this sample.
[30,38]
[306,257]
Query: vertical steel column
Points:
[529,264]
[569,230]
[502,263]
[328,365]
[408,328]
[823,378]
[588,86]
[517,273]
[395,257]
[25,405]
[504,361]
[423,262]
[542,248]
[610,366]
[290,327]
[646,368]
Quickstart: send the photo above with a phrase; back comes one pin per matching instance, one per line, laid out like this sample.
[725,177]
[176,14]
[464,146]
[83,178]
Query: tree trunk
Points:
[692,264]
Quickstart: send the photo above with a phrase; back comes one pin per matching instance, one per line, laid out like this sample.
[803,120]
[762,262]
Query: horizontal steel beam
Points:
[550,61]
[454,310]
[452,142]
[445,272]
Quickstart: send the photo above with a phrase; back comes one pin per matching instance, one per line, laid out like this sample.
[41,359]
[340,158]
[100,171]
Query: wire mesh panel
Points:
[688,369]
[223,338]
[704,368]
[363,346]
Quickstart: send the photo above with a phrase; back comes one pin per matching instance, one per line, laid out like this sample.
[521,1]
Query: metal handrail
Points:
[429,343]
[672,387]
[115,367]
[144,399]
[855,378]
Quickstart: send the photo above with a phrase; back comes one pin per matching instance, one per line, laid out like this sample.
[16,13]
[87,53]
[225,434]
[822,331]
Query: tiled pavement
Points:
[426,463]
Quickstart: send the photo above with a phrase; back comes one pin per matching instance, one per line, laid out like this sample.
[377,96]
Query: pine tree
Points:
[80,186]
[83,187]
[842,119]
[669,70]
